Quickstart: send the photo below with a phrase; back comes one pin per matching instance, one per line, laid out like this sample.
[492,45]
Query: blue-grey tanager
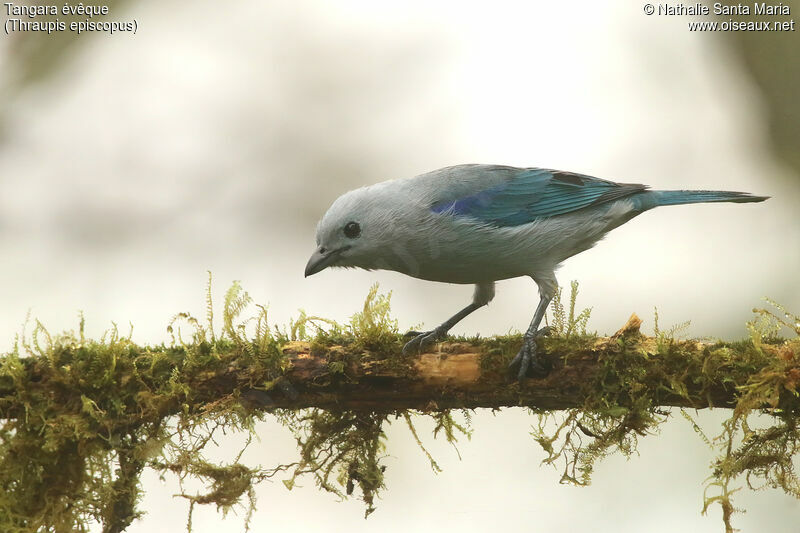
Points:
[483,223]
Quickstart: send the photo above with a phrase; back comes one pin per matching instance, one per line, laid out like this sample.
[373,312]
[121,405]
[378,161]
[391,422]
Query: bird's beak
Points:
[322,259]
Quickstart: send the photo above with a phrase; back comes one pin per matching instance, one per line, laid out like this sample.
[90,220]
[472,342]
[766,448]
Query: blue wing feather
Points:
[534,193]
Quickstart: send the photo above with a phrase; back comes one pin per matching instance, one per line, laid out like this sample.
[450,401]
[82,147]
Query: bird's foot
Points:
[527,361]
[422,339]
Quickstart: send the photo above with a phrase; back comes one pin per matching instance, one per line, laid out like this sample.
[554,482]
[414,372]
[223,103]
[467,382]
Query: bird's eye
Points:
[352,230]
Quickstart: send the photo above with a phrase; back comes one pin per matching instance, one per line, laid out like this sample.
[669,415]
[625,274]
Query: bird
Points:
[478,224]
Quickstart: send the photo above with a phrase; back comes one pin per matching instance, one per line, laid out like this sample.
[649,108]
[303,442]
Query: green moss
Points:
[566,323]
[622,404]
[82,419]
[340,450]
[88,417]
[498,352]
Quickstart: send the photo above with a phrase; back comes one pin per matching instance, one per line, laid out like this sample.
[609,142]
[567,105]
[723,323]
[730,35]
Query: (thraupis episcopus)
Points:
[479,224]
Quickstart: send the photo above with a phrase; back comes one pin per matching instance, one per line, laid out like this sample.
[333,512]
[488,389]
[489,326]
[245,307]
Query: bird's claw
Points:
[421,340]
[527,360]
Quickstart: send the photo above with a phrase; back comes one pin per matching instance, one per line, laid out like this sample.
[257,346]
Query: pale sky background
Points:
[216,137]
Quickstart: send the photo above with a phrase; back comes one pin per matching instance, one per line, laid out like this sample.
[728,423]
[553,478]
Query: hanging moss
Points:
[83,419]
[624,403]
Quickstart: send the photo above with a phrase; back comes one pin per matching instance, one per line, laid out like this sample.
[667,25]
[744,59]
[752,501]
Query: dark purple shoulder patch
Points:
[568,177]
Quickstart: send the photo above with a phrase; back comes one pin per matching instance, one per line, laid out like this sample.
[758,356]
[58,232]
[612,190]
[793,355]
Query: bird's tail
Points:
[694,197]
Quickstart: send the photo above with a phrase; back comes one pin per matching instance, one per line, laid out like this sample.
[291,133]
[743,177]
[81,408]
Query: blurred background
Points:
[217,135]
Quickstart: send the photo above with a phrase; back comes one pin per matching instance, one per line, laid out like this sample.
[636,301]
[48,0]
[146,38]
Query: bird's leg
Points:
[484,292]
[527,358]
[425,338]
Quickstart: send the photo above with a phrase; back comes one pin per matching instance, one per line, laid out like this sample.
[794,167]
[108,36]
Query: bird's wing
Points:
[528,194]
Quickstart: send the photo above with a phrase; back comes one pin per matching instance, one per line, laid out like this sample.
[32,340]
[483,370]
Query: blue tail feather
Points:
[693,197]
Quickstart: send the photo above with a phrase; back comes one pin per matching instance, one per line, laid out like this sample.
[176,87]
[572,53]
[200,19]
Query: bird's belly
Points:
[475,264]
[456,254]
[466,276]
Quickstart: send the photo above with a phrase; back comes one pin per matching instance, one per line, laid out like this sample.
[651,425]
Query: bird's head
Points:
[350,233]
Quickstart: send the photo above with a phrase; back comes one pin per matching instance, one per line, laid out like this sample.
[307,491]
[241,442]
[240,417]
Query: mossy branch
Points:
[82,419]
[464,374]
